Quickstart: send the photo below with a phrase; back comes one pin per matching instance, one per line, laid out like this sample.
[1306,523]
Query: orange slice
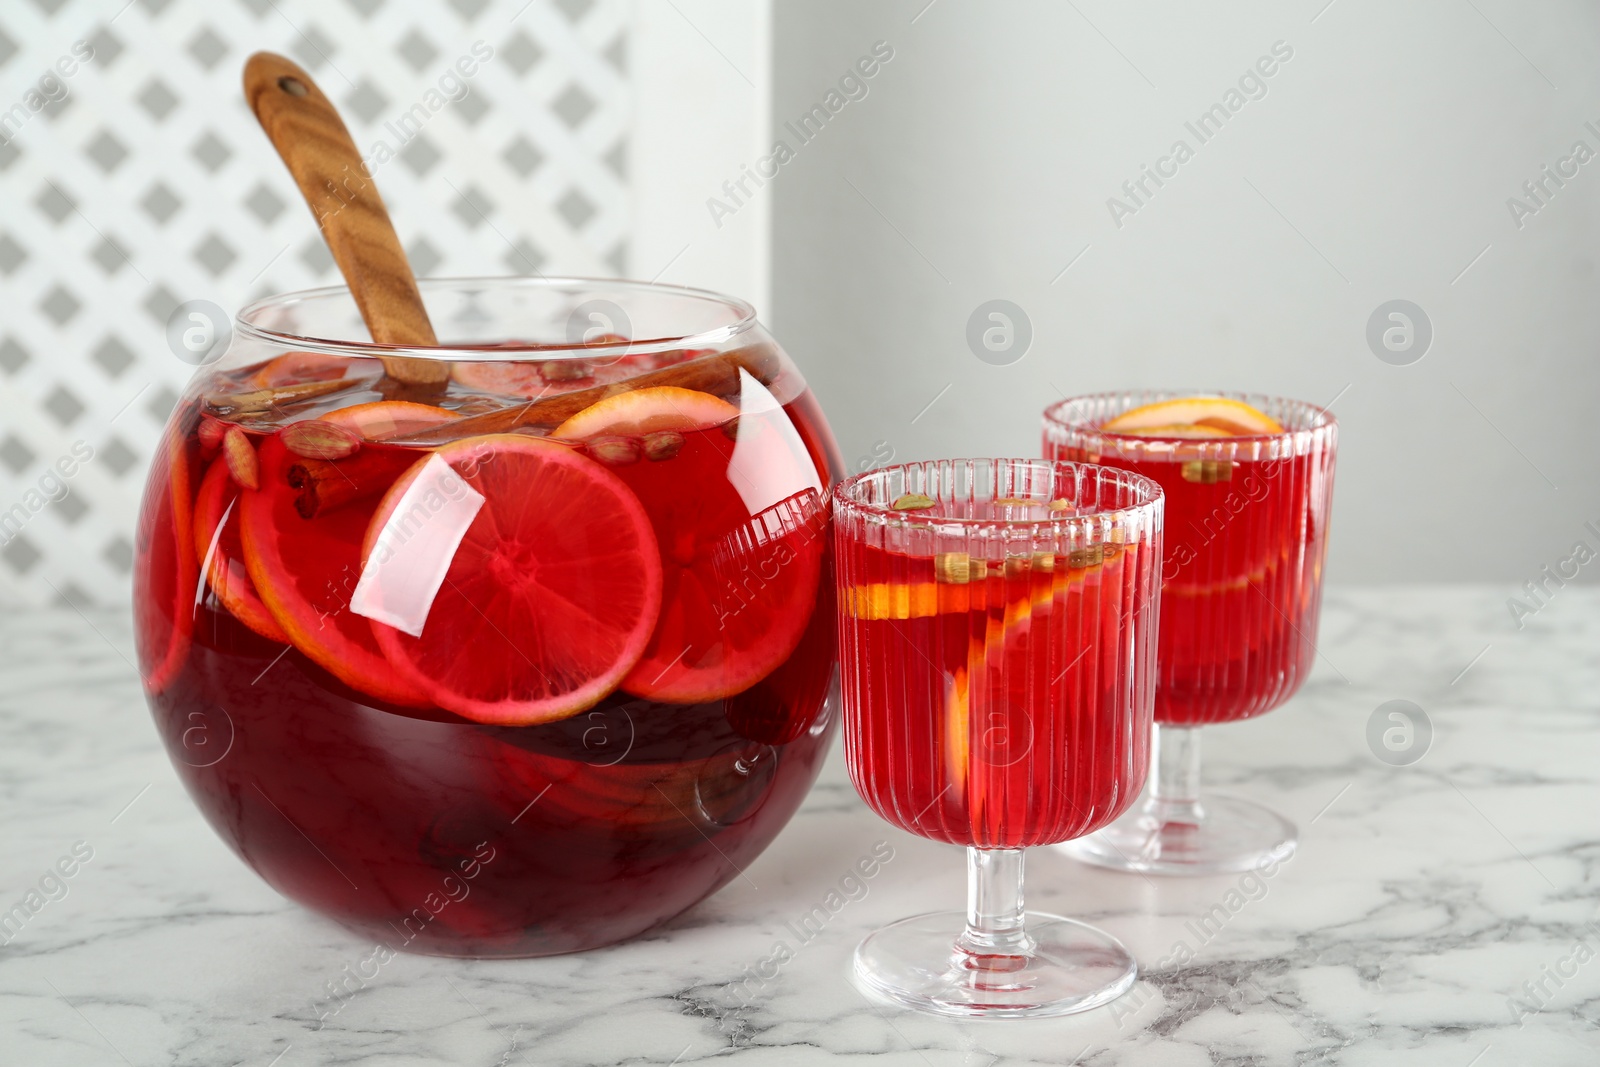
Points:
[218,548]
[741,525]
[305,571]
[641,411]
[551,595]
[960,587]
[1194,416]
[735,605]
[166,577]
[902,600]
[296,368]
[389,418]
[1194,430]
[786,703]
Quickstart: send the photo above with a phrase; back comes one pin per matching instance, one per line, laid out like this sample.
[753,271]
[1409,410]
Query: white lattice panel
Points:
[150,184]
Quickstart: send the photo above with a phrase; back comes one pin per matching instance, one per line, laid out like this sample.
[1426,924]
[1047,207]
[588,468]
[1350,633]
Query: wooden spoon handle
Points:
[309,135]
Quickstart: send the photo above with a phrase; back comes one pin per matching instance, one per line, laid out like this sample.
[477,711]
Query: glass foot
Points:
[1072,967]
[1229,835]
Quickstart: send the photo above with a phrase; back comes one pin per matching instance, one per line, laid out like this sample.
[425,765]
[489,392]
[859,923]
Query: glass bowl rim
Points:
[1154,500]
[1324,419]
[742,319]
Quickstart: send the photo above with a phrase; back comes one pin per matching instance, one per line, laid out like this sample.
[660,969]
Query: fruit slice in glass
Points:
[755,563]
[164,591]
[295,368]
[307,568]
[221,551]
[716,635]
[389,418]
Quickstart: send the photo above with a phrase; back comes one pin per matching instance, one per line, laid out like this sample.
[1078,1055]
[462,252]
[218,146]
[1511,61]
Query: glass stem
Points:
[1175,792]
[994,908]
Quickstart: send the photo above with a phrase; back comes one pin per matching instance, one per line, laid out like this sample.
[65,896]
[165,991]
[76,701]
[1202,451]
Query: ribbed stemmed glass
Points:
[1247,529]
[997,640]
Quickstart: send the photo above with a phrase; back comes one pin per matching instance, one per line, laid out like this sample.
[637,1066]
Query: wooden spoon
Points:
[309,135]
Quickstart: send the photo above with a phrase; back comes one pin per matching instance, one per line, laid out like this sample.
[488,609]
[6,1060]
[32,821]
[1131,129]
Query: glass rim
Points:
[1322,416]
[741,319]
[844,493]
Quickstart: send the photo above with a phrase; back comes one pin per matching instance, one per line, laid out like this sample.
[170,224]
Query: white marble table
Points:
[1421,900]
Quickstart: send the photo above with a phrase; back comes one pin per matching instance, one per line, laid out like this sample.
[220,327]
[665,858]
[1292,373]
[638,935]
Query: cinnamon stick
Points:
[261,401]
[327,484]
[717,374]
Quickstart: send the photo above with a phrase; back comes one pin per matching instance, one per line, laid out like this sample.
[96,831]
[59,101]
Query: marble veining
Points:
[1440,913]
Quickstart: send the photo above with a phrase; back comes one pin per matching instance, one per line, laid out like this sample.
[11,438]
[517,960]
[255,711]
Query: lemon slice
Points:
[1194,416]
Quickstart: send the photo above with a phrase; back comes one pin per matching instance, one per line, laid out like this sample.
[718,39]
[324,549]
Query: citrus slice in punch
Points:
[166,578]
[389,418]
[788,702]
[305,571]
[738,590]
[641,411]
[550,596]
[1189,414]
[221,553]
[297,368]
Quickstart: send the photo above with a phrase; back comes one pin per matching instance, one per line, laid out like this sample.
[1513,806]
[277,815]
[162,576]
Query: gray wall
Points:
[1377,166]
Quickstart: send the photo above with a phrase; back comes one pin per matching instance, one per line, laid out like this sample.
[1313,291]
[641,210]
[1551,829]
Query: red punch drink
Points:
[995,710]
[1248,483]
[1246,521]
[997,637]
[525,666]
[1241,586]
